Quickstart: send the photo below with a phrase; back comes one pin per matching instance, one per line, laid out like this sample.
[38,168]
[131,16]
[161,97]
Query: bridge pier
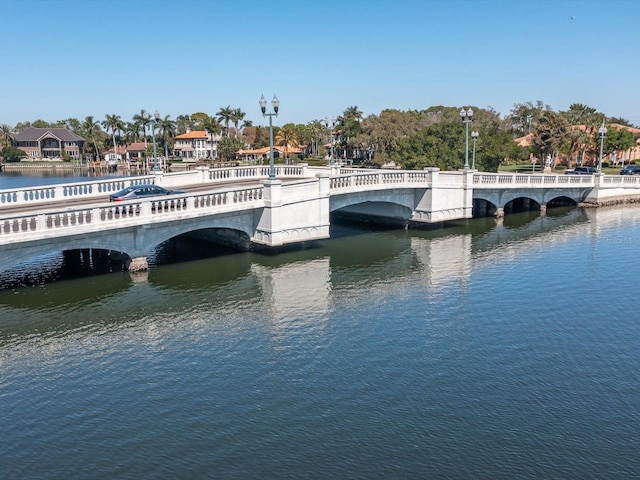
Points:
[499,212]
[138,264]
[543,209]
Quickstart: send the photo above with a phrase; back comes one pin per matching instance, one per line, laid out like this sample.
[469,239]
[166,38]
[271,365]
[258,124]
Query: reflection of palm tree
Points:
[287,137]
[167,130]
[225,114]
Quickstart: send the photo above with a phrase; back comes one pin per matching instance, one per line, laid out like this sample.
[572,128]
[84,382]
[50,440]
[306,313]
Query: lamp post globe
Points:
[156,119]
[602,131]
[466,116]
[330,125]
[474,136]
[275,104]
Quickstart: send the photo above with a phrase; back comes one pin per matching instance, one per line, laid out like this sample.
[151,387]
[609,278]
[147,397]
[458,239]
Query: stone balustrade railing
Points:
[621,181]
[66,191]
[256,172]
[352,178]
[357,178]
[509,180]
[102,188]
[54,222]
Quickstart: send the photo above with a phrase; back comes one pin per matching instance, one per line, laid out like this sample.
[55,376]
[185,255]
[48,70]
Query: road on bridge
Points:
[56,204]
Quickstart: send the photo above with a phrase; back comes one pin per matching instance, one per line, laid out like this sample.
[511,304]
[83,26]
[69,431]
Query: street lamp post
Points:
[602,131]
[474,135]
[154,122]
[275,103]
[330,126]
[466,116]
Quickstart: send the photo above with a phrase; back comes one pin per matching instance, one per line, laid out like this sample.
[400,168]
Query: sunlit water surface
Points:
[473,351]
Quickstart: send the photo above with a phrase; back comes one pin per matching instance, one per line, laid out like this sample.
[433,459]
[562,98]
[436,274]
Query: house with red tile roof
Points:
[132,152]
[264,152]
[196,145]
[622,156]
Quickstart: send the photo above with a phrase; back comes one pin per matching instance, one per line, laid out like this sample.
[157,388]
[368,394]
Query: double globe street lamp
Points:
[275,103]
[154,122]
[466,116]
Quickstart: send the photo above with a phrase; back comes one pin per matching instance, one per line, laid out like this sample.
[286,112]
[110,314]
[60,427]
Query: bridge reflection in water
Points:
[295,280]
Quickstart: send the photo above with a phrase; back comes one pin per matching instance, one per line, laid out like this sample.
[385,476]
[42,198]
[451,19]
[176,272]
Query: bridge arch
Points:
[402,198]
[483,208]
[517,200]
[138,241]
[389,204]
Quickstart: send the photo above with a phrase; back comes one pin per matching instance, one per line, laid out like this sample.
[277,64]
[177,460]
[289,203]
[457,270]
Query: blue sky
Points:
[73,58]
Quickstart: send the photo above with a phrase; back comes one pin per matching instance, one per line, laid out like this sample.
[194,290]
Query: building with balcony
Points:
[196,145]
[49,143]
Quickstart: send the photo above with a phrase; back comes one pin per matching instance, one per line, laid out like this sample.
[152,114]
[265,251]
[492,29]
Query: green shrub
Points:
[12,154]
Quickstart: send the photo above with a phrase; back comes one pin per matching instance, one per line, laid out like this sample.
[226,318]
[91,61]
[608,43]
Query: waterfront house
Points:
[263,153]
[196,145]
[591,158]
[49,143]
[132,152]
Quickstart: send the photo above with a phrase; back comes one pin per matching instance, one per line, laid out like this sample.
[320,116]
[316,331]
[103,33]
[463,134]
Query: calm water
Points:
[28,178]
[473,351]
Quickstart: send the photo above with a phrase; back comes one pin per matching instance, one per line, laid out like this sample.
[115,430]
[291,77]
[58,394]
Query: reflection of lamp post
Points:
[466,115]
[275,103]
[474,135]
[330,126]
[602,131]
[154,122]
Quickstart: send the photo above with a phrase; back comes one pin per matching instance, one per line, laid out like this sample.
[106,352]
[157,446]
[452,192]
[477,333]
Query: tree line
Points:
[413,139]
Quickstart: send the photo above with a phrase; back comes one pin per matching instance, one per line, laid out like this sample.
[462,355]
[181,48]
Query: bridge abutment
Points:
[449,198]
[295,212]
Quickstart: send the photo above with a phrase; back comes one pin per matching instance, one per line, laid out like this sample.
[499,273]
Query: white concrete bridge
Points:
[241,206]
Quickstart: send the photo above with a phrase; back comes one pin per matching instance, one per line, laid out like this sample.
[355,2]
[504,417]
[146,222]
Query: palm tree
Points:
[114,124]
[213,127]
[225,114]
[183,122]
[550,133]
[142,120]
[73,124]
[91,128]
[7,134]
[317,128]
[287,137]
[237,116]
[351,113]
[131,133]
[166,132]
